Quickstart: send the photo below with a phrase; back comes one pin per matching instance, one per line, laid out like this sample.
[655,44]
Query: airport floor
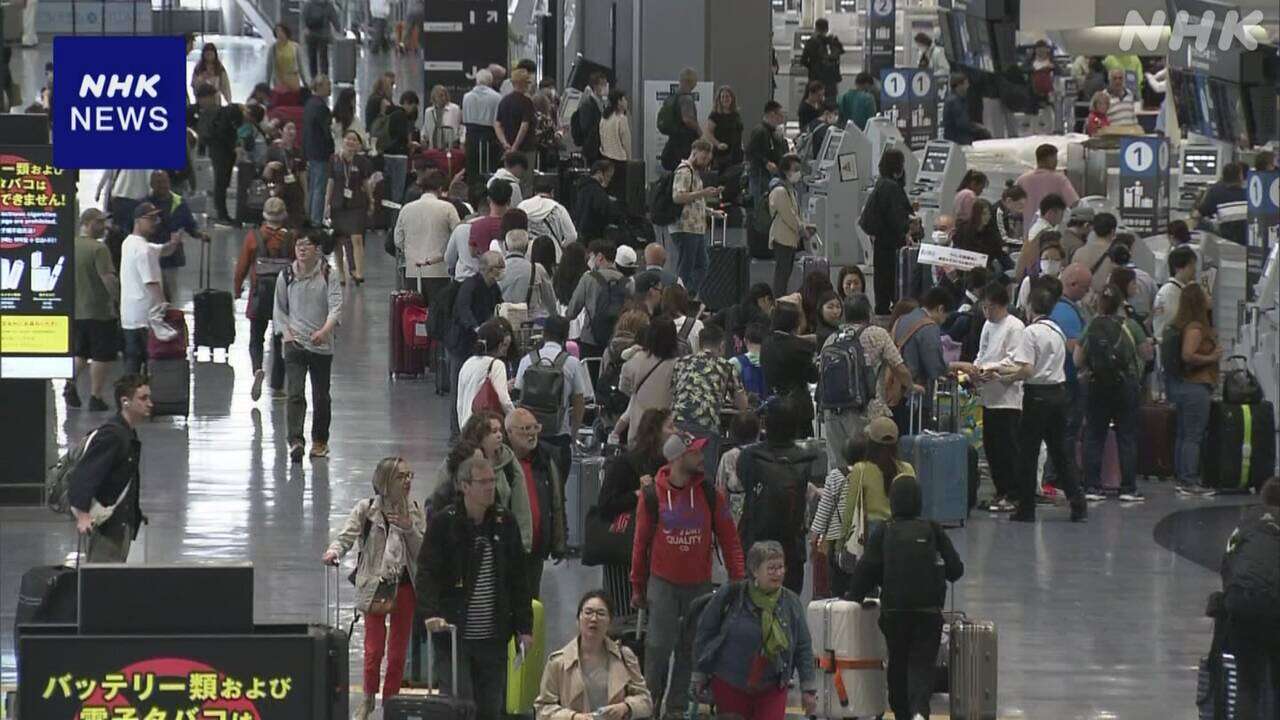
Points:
[1100,620]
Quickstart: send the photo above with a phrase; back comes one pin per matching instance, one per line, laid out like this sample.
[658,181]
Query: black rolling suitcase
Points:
[1240,450]
[46,594]
[332,690]
[170,381]
[428,703]
[727,272]
[215,311]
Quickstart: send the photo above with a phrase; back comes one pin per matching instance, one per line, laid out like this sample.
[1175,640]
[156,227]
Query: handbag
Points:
[607,542]
[1239,386]
[854,545]
[487,398]
[384,598]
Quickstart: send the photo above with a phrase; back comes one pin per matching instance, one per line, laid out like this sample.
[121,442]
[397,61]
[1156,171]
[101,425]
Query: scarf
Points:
[775,638]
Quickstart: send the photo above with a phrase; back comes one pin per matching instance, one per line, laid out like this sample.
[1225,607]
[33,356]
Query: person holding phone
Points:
[689,232]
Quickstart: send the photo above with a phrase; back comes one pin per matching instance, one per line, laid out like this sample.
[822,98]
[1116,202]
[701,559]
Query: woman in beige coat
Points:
[593,674]
[786,231]
[388,527]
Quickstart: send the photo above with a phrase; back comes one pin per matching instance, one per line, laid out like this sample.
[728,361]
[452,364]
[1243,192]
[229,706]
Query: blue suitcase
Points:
[941,462]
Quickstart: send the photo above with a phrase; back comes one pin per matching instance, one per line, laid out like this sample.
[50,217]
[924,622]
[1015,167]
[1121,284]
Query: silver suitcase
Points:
[973,665]
[583,487]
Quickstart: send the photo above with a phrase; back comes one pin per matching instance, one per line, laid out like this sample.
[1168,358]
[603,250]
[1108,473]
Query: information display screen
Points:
[831,146]
[1199,162]
[935,158]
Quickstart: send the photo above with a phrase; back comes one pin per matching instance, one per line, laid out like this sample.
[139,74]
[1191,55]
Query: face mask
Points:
[1051,267]
[940,237]
[793,177]
[591,263]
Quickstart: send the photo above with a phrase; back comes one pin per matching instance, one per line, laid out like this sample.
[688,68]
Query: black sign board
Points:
[459,38]
[1264,225]
[910,97]
[935,158]
[1144,181]
[881,23]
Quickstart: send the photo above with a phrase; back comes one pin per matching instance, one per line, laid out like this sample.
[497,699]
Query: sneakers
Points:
[1132,496]
[1001,505]
[256,392]
[295,451]
[71,395]
[1094,496]
[319,449]
[97,404]
[1195,491]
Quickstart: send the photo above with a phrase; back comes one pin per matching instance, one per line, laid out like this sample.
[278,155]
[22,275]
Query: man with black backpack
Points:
[679,520]
[602,293]
[678,121]
[852,365]
[267,251]
[1251,599]
[319,17]
[1112,355]
[554,386]
[775,479]
[911,560]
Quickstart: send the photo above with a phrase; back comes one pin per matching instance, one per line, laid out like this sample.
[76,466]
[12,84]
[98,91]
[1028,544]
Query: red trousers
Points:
[376,643]
[768,704]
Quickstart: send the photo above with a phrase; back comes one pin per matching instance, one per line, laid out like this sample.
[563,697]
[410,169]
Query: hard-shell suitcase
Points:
[46,594]
[908,272]
[331,692]
[406,359]
[170,386]
[215,311]
[524,668]
[936,457]
[346,55]
[174,348]
[431,704]
[582,490]
[1157,424]
[973,663]
[851,656]
[728,272]
[809,263]
[1240,451]
[1110,461]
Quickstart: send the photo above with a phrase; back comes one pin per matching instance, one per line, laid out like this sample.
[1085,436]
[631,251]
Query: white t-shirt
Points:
[474,372]
[1045,348]
[695,332]
[576,381]
[1165,306]
[139,265]
[999,347]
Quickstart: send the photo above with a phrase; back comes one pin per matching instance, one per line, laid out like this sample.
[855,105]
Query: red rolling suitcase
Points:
[1157,424]
[407,319]
[175,347]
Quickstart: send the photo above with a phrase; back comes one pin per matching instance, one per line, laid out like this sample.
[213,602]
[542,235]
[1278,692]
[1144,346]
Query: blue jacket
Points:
[712,633]
[956,125]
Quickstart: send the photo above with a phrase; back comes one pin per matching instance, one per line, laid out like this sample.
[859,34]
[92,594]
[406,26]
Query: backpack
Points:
[267,269]
[913,569]
[612,400]
[669,115]
[845,381]
[57,481]
[663,209]
[609,302]
[684,347]
[1250,573]
[776,498]
[1108,353]
[314,15]
[542,390]
[752,376]
[868,220]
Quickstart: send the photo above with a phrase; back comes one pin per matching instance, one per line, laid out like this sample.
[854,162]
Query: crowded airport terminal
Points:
[762,359]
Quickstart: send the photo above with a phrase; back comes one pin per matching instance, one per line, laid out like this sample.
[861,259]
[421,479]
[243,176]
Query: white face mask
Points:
[940,237]
[793,177]
[1051,267]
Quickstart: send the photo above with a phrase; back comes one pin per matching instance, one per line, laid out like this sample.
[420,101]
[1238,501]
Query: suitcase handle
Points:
[206,271]
[954,385]
[453,658]
[723,217]
[915,414]
[333,597]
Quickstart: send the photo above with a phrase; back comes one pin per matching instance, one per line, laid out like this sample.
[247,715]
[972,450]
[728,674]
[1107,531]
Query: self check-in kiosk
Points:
[1200,167]
[837,190]
[941,168]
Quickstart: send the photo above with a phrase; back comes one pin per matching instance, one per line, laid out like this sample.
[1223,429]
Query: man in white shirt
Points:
[1039,361]
[479,109]
[1182,272]
[1121,111]
[999,391]
[577,388]
[140,283]
[422,234]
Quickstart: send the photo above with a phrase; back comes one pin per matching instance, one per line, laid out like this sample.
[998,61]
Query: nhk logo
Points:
[123,103]
[1201,29]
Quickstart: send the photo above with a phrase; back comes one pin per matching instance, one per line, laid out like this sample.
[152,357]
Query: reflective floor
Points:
[1095,621]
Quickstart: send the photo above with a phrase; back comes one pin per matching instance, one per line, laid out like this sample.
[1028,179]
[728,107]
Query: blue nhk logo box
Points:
[121,103]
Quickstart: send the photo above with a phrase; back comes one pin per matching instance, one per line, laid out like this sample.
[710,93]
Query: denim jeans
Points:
[693,259]
[668,605]
[1119,406]
[317,182]
[300,363]
[1191,401]
[258,329]
[135,350]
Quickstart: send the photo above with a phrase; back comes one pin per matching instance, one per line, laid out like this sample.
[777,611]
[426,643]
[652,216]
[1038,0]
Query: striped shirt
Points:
[1121,111]
[482,606]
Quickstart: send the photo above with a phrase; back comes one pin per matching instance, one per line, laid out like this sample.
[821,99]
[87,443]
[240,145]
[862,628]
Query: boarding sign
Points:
[933,254]
[1264,225]
[1144,183]
[910,97]
[460,38]
[122,103]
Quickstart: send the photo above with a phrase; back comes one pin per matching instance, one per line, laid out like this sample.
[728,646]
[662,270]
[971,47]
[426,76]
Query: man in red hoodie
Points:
[678,520]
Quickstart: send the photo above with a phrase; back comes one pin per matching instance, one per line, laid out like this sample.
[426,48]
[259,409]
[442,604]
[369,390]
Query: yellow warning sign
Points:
[39,334]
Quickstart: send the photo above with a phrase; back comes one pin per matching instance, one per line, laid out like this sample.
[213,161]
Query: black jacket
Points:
[785,467]
[219,137]
[398,127]
[594,210]
[622,480]
[787,362]
[909,579]
[549,489]
[764,147]
[317,137]
[1251,570]
[447,565]
[474,303]
[892,211]
[108,465]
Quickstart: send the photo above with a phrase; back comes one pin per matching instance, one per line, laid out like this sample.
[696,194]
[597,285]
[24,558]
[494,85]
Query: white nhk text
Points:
[105,118]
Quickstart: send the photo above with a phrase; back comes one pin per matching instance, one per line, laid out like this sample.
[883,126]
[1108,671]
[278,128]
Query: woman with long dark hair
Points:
[1189,354]
[972,185]
[211,70]
[723,128]
[887,218]
[543,252]
[284,61]
[345,118]
[979,234]
[388,528]
[570,269]
[646,375]
[615,139]
[787,362]
[620,488]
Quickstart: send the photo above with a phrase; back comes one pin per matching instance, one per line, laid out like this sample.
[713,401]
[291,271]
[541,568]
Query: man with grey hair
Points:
[478,296]
[686,129]
[471,575]
[544,489]
[479,110]
[525,281]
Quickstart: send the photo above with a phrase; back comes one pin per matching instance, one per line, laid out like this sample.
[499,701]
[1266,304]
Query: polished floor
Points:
[1096,621]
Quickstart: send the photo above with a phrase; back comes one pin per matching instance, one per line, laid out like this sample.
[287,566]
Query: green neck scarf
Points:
[775,638]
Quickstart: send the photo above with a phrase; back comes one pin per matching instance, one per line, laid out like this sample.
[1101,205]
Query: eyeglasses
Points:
[595,613]
[527,428]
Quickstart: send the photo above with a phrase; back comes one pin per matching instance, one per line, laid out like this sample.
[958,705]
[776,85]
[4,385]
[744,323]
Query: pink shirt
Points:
[964,204]
[1040,182]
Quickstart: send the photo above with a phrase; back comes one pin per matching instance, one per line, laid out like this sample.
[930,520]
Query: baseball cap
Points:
[144,209]
[882,431]
[274,210]
[679,444]
[625,257]
[647,280]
